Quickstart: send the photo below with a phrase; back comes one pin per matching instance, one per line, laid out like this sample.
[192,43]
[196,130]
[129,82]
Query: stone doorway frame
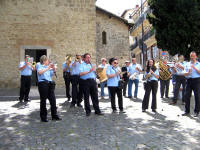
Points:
[36,47]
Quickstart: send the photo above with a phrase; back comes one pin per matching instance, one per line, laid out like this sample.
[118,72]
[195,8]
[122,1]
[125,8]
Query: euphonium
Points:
[164,74]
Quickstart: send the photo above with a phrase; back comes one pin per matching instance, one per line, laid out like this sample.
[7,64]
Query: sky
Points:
[117,6]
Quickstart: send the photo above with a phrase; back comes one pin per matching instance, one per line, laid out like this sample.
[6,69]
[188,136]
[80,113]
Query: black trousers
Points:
[113,92]
[77,94]
[180,80]
[89,88]
[25,87]
[47,91]
[164,87]
[192,85]
[150,86]
[67,79]
[125,87]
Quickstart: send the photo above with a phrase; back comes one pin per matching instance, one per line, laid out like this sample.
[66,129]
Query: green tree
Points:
[177,25]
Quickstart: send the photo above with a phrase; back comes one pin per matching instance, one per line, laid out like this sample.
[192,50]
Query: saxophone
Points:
[164,74]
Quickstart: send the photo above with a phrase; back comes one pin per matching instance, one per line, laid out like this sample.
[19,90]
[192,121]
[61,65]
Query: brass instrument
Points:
[68,60]
[134,75]
[149,75]
[101,72]
[164,74]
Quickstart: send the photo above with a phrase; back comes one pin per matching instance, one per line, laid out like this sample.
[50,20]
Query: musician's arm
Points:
[44,70]
[155,74]
[112,75]
[196,69]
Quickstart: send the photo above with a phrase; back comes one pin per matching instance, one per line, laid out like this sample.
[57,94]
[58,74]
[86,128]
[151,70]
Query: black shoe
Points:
[167,97]
[153,110]
[143,110]
[56,118]
[186,114]
[161,97]
[135,97]
[196,114]
[20,100]
[114,111]
[44,120]
[27,100]
[122,111]
[79,105]
[72,105]
[88,114]
[99,114]
[129,96]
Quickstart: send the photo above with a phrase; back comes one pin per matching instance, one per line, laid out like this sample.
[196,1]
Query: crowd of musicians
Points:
[80,82]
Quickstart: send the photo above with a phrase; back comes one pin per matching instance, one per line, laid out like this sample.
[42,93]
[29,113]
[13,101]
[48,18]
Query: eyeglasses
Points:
[115,62]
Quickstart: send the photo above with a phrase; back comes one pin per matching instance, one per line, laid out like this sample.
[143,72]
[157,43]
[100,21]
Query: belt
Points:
[193,78]
[90,79]
[25,76]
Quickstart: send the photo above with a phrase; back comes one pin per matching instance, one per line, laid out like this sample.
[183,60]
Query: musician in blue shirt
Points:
[180,79]
[152,76]
[113,74]
[46,88]
[26,69]
[75,77]
[134,68]
[89,85]
[67,76]
[192,84]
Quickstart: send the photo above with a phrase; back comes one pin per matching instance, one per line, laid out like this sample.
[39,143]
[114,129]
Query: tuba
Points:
[164,74]
[101,72]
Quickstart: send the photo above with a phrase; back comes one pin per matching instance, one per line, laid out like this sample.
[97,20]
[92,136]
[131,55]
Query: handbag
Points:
[120,84]
[145,85]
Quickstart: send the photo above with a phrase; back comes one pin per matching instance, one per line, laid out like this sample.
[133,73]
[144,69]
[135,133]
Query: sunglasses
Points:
[115,62]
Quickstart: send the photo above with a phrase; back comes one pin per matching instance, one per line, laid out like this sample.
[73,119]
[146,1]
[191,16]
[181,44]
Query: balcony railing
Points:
[146,36]
[140,19]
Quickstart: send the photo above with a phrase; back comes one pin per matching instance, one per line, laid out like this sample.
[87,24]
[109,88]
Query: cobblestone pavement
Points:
[20,127]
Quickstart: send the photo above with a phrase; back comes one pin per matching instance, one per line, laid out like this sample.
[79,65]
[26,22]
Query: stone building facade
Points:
[112,36]
[39,27]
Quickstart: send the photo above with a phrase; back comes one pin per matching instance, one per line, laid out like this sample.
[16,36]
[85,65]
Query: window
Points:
[154,51]
[104,38]
[148,54]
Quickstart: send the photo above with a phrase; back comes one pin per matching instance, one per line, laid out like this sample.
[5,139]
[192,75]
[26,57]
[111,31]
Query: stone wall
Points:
[65,26]
[117,38]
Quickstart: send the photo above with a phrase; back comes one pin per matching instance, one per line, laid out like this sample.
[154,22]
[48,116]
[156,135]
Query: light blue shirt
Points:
[37,65]
[114,81]
[132,69]
[64,65]
[194,73]
[75,69]
[27,70]
[86,67]
[46,75]
[153,77]
[180,71]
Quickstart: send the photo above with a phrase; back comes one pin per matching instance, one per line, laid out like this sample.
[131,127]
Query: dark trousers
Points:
[76,92]
[150,86]
[113,92]
[25,87]
[125,87]
[179,80]
[46,91]
[67,86]
[89,88]
[192,85]
[164,87]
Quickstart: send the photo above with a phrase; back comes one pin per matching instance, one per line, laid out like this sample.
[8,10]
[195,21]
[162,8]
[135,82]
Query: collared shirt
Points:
[114,80]
[64,65]
[153,77]
[132,69]
[194,73]
[37,65]
[46,76]
[86,67]
[76,68]
[27,70]
[103,66]
[181,71]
